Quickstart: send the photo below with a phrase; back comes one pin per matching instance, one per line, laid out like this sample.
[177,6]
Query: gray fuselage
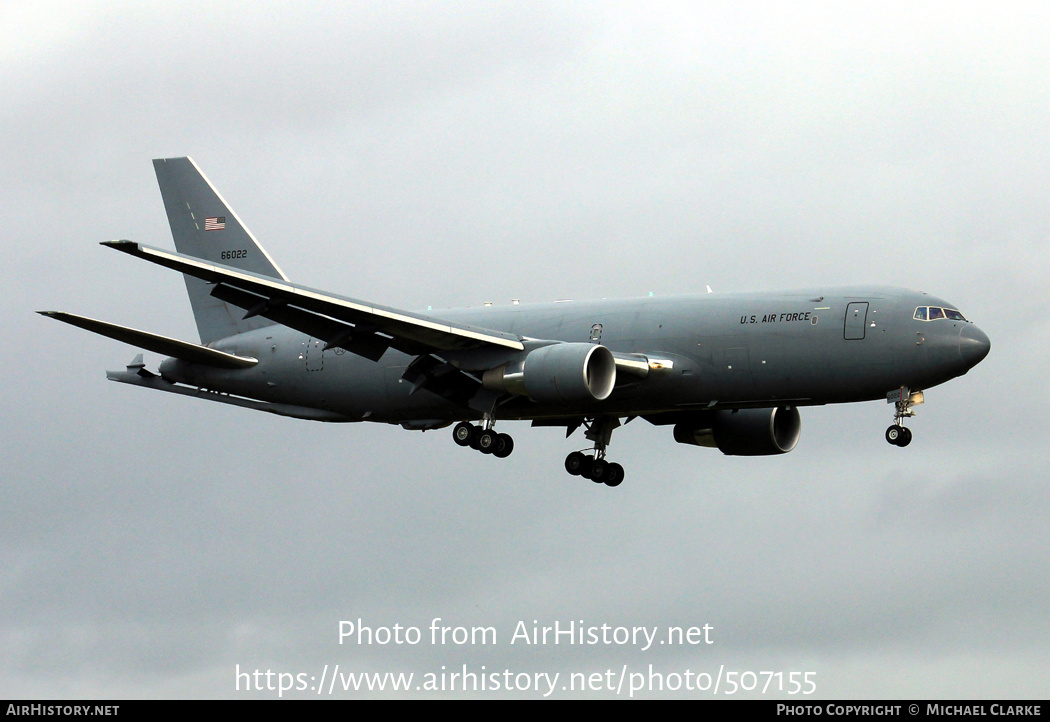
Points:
[727,350]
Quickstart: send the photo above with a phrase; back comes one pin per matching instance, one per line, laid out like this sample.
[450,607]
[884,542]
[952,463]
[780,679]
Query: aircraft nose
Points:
[974,345]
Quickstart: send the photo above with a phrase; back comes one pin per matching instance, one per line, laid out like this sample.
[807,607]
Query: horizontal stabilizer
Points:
[184,350]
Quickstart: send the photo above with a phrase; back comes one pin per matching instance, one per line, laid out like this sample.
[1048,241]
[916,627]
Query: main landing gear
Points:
[595,467]
[483,439]
[592,465]
[898,434]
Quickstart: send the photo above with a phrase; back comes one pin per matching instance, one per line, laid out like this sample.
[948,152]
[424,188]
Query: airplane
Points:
[724,370]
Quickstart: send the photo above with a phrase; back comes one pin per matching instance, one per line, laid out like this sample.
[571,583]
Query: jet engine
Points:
[558,373]
[745,432]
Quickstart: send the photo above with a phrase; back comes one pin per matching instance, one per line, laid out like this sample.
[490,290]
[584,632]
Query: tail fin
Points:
[203,226]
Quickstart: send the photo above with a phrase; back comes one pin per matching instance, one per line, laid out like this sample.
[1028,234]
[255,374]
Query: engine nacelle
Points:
[746,432]
[559,373]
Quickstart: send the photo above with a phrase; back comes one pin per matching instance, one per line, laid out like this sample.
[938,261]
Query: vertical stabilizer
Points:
[203,226]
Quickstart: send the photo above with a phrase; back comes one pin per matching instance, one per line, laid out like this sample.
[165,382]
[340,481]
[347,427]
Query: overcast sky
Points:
[448,154]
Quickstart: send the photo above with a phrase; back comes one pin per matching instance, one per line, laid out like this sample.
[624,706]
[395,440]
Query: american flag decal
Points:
[217,223]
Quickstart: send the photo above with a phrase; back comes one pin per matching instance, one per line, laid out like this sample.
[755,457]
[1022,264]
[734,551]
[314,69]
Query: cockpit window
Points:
[933,313]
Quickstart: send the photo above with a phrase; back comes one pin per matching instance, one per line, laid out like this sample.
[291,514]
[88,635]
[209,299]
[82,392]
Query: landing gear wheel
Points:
[614,475]
[574,463]
[487,442]
[462,432]
[898,435]
[599,471]
[504,445]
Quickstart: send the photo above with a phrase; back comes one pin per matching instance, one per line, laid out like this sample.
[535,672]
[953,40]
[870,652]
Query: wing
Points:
[451,359]
[360,327]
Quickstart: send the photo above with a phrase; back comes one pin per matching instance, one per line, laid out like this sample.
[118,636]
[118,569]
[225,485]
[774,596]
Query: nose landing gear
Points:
[904,399]
[898,435]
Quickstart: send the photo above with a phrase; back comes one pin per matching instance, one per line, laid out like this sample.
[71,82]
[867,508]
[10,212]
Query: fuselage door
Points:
[313,354]
[856,320]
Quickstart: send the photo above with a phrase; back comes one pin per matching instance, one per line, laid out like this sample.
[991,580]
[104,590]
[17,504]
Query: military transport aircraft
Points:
[723,370]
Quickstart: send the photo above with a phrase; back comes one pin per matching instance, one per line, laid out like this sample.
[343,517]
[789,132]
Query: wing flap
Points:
[356,339]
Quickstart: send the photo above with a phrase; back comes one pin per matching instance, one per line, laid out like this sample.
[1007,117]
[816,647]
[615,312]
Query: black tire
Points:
[614,476]
[599,471]
[504,445]
[905,437]
[894,434]
[462,432]
[487,442]
[574,463]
